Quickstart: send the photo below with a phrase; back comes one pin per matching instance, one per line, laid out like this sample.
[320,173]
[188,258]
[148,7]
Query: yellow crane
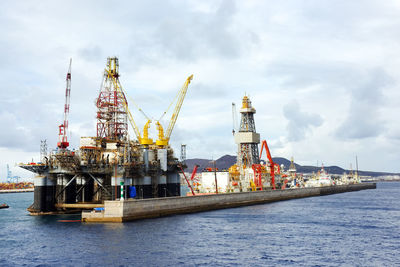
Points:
[163,140]
[145,140]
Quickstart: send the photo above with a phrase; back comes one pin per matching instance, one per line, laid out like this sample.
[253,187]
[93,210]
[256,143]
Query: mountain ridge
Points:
[224,162]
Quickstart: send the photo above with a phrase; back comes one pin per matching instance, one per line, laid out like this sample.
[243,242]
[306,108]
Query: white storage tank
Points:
[208,181]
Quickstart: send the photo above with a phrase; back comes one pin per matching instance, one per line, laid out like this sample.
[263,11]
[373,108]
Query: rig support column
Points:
[50,193]
[39,195]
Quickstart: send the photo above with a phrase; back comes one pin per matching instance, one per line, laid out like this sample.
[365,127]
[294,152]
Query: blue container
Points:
[132,192]
[98,209]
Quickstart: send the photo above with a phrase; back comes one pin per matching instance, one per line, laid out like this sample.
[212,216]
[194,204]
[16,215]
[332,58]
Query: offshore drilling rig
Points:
[108,166]
[249,174]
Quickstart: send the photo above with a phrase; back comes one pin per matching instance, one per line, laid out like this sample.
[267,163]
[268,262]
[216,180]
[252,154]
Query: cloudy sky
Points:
[323,75]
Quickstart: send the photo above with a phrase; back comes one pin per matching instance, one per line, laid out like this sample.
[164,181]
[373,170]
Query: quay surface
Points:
[16,190]
[132,209]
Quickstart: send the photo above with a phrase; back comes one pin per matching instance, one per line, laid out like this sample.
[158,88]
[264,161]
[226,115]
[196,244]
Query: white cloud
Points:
[300,122]
[338,59]
[364,119]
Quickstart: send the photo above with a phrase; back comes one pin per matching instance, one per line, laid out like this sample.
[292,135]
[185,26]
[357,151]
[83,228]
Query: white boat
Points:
[324,178]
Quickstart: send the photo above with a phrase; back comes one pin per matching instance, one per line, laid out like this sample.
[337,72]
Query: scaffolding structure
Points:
[112,120]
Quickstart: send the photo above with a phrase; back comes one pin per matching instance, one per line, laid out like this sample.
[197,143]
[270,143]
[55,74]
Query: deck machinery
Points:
[108,166]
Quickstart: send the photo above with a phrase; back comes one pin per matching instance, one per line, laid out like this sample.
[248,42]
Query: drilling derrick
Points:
[247,139]
[111,113]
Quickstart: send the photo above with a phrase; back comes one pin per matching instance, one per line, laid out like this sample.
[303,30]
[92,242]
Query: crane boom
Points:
[272,164]
[163,140]
[264,144]
[145,140]
[63,128]
[184,175]
[194,172]
[178,106]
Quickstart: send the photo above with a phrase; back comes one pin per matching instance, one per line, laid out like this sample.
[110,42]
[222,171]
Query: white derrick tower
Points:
[246,138]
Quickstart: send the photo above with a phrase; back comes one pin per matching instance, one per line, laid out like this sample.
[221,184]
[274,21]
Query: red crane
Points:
[191,178]
[272,164]
[62,135]
[194,172]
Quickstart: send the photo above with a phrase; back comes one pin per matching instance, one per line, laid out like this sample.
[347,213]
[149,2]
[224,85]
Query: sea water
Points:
[350,229]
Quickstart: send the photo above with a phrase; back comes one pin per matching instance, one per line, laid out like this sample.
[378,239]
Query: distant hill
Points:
[224,162]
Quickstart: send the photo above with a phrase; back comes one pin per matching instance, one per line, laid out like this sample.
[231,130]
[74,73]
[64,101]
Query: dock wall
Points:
[5,191]
[132,209]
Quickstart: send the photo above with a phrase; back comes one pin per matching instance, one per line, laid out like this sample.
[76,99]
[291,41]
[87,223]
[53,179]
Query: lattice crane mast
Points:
[63,128]
[112,116]
[111,95]
[163,140]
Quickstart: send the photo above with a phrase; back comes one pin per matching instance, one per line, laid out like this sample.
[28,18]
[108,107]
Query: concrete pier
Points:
[16,190]
[132,209]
